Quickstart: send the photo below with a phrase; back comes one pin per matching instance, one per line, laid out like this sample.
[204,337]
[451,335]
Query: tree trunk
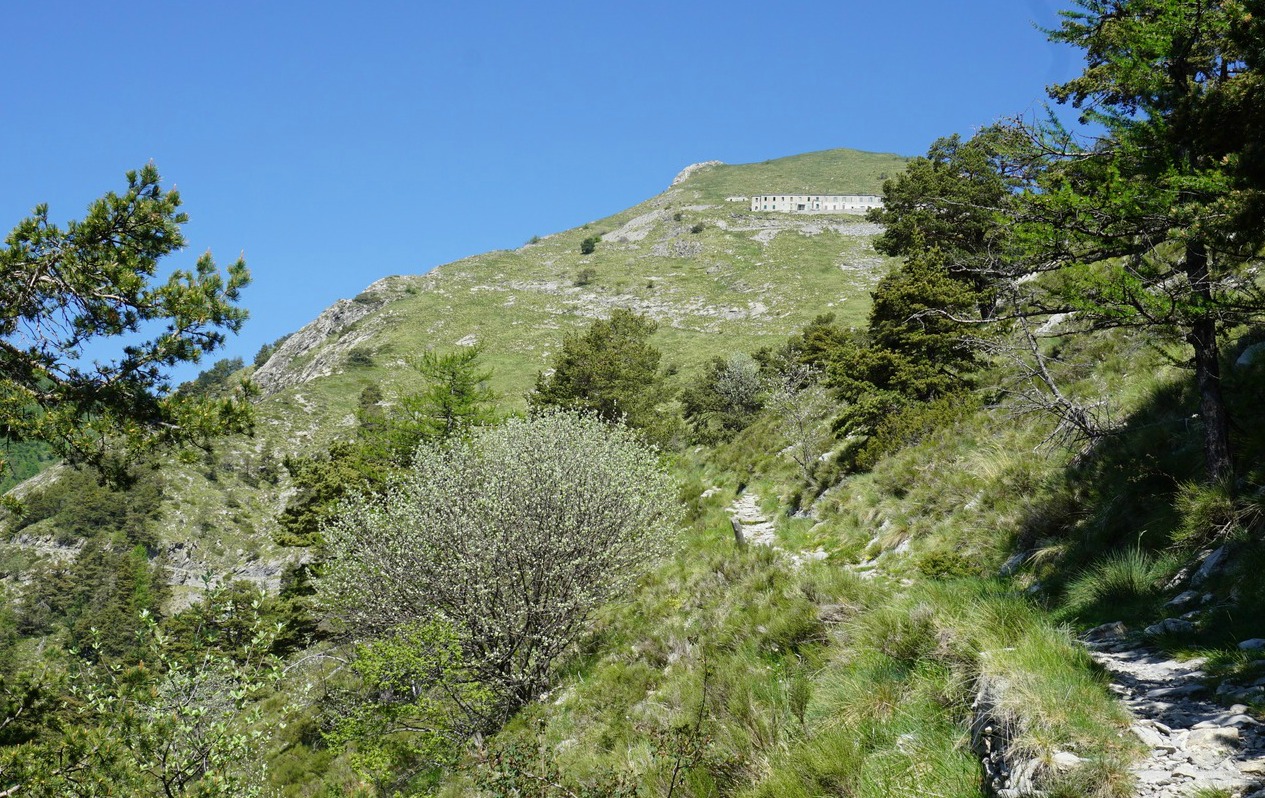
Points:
[1202,336]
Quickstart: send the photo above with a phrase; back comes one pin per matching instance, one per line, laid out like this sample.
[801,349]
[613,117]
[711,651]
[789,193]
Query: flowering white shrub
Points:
[515,536]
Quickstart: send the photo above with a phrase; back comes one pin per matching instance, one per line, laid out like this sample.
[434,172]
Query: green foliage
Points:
[1122,585]
[22,460]
[515,770]
[360,357]
[229,616]
[322,482]
[94,599]
[589,245]
[63,289]
[801,405]
[585,276]
[610,370]
[910,423]
[916,348]
[1159,223]
[916,320]
[953,202]
[724,399]
[412,704]
[172,725]
[456,399]
[78,507]
[213,381]
[515,537]
[266,351]
[1209,512]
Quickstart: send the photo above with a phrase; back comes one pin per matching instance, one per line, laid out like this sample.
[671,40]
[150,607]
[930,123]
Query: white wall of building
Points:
[816,203]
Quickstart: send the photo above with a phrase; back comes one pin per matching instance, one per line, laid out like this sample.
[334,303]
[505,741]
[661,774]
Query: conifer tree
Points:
[92,284]
[1159,223]
[611,369]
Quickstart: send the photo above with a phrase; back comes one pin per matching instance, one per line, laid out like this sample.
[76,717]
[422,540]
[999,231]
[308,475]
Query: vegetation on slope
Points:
[938,510]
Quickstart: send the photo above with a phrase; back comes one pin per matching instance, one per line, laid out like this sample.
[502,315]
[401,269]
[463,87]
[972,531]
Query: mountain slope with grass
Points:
[893,609]
[714,276]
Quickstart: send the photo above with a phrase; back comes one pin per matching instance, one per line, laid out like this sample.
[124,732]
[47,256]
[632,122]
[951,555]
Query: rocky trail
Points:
[753,527]
[1197,745]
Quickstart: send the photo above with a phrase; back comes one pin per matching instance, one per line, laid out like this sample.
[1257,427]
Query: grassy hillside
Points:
[827,172]
[883,624]
[716,277]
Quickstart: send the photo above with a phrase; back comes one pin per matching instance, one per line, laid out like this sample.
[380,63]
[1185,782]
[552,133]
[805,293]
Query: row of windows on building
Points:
[807,202]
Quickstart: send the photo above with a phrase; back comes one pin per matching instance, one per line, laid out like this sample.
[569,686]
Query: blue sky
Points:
[337,143]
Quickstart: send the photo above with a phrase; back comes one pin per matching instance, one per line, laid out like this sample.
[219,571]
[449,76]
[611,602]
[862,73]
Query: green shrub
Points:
[941,564]
[589,245]
[266,351]
[1207,512]
[360,357]
[1121,583]
[911,423]
[516,535]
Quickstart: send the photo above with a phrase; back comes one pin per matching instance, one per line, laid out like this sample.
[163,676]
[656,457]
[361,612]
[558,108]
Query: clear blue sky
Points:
[337,143]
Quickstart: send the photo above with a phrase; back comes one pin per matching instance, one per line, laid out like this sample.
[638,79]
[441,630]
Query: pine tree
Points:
[1158,224]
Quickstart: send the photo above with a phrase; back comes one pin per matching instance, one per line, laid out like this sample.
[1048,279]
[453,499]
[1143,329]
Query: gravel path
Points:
[1195,743]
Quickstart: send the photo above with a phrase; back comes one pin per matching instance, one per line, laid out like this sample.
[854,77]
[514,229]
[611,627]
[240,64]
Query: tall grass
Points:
[890,711]
[1123,585]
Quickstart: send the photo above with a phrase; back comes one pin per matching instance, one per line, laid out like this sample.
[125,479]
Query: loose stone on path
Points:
[1195,743]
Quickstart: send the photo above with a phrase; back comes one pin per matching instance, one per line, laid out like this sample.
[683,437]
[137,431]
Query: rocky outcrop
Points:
[287,366]
[691,169]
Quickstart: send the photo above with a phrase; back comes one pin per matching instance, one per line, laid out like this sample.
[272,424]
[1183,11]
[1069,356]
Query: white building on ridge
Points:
[820,203]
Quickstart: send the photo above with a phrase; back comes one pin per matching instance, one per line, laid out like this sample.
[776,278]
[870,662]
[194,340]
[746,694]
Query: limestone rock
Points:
[1108,631]
[1012,565]
[1250,355]
[1182,599]
[691,169]
[1170,626]
[1210,746]
[1211,565]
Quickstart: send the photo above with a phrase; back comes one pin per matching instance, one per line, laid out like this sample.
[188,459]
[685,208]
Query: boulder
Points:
[1211,565]
[1170,626]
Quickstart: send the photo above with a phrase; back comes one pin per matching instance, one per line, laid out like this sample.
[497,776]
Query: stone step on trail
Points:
[759,530]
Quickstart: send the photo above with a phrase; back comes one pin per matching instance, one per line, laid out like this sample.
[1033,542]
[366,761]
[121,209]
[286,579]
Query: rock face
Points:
[283,369]
[691,169]
[1194,742]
